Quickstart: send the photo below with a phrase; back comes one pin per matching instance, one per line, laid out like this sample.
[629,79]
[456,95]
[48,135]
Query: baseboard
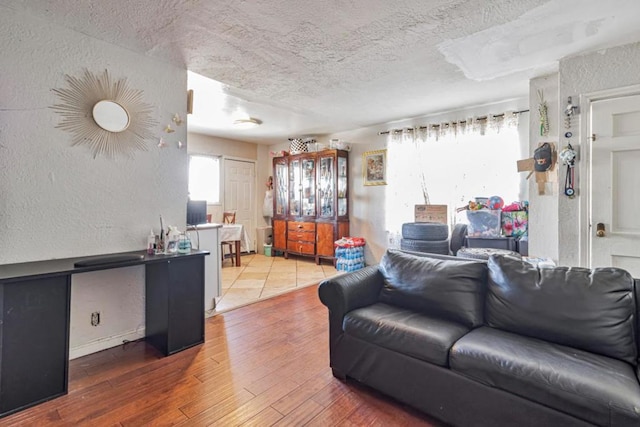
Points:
[104,343]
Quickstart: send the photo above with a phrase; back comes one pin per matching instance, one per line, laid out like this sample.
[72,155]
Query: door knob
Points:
[600,229]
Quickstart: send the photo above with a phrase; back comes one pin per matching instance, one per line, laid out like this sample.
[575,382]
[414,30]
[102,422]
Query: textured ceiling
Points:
[311,67]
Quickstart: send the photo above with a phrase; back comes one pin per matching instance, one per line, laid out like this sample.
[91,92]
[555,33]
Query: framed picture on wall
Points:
[374,167]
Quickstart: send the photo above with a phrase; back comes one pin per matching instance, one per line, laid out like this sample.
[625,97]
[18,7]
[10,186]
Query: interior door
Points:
[615,180]
[239,195]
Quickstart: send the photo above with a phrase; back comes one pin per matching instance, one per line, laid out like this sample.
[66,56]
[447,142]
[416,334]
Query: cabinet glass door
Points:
[326,187]
[342,186]
[295,186]
[280,188]
[308,187]
[302,184]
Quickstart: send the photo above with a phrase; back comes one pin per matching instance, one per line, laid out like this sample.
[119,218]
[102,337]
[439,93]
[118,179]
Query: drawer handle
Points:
[299,225]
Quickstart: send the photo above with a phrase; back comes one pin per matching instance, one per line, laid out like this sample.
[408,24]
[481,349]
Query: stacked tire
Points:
[426,237]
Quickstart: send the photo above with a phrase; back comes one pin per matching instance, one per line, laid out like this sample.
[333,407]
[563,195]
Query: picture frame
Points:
[374,167]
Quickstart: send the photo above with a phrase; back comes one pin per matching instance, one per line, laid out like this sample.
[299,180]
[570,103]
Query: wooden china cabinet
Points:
[311,208]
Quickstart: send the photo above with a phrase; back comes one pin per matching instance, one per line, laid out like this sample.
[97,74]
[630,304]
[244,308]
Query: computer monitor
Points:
[196,212]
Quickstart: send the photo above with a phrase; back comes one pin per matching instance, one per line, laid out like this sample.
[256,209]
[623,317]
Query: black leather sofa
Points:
[496,343]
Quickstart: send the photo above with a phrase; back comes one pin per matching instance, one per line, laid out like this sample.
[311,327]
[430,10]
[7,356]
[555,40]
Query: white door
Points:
[239,194]
[615,183]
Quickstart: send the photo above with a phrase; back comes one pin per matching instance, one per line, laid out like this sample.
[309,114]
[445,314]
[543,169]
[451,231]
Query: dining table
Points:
[236,233]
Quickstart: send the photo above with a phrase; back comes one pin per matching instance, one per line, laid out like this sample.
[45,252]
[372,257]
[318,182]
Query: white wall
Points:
[57,201]
[543,209]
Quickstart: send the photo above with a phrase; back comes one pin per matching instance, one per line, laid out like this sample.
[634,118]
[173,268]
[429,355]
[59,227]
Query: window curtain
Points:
[450,164]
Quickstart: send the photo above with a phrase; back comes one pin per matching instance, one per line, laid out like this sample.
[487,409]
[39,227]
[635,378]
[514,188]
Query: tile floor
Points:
[260,277]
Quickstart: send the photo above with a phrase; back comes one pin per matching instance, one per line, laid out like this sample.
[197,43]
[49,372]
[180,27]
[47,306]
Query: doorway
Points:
[614,237]
[239,195]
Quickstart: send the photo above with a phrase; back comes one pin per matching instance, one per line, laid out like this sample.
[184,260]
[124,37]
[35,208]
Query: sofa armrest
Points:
[341,295]
[353,290]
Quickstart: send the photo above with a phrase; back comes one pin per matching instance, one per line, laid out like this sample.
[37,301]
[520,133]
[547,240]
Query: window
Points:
[452,170]
[204,178]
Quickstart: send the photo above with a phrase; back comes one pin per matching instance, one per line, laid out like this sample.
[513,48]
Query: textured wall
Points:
[57,201]
[543,212]
[608,69]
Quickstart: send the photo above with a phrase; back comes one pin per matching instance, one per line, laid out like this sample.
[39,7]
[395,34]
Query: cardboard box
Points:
[431,213]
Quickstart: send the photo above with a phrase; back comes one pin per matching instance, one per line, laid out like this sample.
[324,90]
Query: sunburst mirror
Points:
[106,116]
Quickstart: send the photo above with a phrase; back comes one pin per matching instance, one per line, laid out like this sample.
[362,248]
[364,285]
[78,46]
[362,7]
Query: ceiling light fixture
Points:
[247,123]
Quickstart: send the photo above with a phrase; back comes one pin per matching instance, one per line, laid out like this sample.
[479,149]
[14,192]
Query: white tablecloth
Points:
[232,232]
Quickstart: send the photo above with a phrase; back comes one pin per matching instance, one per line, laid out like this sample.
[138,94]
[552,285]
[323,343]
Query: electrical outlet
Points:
[95,318]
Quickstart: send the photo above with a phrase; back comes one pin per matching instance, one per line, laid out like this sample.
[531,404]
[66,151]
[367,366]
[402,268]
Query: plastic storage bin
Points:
[484,223]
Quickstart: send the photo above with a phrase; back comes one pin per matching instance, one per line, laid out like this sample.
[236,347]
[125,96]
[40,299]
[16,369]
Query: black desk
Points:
[35,302]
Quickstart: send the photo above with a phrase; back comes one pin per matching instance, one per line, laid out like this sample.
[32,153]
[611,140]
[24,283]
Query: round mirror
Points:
[110,116]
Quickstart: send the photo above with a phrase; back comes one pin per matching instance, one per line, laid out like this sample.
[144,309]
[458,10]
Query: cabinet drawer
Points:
[301,226]
[303,236]
[301,247]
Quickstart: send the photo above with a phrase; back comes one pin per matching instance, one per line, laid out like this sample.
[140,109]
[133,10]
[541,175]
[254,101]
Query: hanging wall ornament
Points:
[162,143]
[180,144]
[543,114]
[177,119]
[168,129]
[568,158]
[106,116]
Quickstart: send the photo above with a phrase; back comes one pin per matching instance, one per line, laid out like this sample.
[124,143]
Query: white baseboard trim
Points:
[104,343]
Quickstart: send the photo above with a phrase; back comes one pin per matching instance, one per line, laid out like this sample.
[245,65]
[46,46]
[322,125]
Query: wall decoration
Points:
[374,167]
[543,114]
[106,116]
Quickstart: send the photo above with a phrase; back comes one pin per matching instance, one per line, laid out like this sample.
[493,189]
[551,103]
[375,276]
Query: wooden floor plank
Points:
[301,415]
[262,364]
[266,418]
[338,410]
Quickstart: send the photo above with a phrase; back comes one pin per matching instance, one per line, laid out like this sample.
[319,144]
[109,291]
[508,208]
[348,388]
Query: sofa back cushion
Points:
[450,289]
[593,310]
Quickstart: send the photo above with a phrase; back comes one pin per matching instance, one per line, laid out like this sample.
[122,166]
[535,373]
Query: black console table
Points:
[35,307]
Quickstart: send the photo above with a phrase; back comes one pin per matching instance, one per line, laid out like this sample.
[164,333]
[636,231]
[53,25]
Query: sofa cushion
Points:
[592,387]
[593,310]
[405,331]
[451,289]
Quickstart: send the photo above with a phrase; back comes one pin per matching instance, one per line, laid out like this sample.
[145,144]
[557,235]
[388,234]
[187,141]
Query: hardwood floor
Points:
[261,365]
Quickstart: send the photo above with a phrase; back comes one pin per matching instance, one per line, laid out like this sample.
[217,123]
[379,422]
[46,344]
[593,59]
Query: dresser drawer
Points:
[303,236]
[301,247]
[301,226]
